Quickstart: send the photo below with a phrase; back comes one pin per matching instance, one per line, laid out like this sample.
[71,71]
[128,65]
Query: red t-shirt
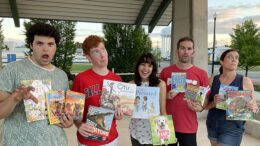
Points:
[184,119]
[90,83]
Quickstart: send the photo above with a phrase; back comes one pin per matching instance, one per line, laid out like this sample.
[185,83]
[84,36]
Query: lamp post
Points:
[213,51]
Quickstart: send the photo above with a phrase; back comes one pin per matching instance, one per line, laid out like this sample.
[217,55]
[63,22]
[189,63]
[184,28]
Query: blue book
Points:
[147,102]
[222,92]
[178,82]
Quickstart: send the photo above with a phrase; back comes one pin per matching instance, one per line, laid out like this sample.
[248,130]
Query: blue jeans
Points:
[226,133]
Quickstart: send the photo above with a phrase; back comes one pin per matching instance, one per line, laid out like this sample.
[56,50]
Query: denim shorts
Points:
[226,133]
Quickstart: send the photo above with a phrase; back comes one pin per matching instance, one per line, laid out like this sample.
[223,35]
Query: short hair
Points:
[185,39]
[42,29]
[91,42]
[153,79]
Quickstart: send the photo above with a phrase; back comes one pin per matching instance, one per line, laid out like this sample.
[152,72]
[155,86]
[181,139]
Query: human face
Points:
[185,52]
[145,70]
[44,48]
[230,61]
[98,56]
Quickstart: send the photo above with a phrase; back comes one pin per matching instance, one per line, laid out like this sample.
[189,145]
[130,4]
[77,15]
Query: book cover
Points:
[35,112]
[55,105]
[147,102]
[222,92]
[162,130]
[178,82]
[101,119]
[236,102]
[118,95]
[196,94]
[74,104]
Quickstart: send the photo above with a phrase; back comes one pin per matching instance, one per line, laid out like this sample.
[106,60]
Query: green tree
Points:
[157,54]
[124,46]
[246,39]
[66,48]
[1,42]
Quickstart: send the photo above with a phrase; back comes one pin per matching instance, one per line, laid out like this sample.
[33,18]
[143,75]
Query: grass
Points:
[80,67]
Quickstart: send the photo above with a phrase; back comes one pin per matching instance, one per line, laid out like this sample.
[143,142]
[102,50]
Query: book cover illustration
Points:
[162,130]
[35,112]
[178,82]
[196,94]
[147,102]
[118,95]
[55,105]
[74,104]
[101,119]
[222,92]
[236,102]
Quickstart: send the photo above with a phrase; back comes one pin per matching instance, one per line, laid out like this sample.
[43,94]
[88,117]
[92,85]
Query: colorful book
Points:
[178,82]
[222,92]
[236,102]
[147,102]
[118,95]
[162,130]
[196,94]
[101,119]
[74,104]
[36,111]
[55,105]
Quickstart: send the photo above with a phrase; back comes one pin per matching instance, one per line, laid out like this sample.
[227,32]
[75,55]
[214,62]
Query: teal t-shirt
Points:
[16,130]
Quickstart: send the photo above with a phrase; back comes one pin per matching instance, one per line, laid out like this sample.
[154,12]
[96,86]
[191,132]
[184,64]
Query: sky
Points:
[229,14]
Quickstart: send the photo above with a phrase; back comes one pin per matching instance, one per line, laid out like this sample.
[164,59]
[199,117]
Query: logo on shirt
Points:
[92,91]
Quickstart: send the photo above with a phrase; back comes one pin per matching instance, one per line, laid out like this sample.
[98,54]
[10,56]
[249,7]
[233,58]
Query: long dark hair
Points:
[153,79]
[222,57]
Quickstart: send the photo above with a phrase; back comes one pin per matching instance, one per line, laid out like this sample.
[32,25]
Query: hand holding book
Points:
[171,94]
[194,106]
[66,121]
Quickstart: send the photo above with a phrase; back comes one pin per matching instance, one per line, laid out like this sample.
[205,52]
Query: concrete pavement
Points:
[124,136]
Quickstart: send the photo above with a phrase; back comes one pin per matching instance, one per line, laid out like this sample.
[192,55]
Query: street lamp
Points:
[213,51]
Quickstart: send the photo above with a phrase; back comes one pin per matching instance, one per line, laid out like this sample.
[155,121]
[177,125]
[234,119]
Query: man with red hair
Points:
[90,83]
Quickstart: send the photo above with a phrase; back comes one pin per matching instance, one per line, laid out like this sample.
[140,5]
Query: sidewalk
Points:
[124,137]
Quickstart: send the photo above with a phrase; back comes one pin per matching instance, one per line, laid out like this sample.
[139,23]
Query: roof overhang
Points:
[133,12]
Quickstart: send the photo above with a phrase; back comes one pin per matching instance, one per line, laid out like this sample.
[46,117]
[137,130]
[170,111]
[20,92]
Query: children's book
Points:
[55,105]
[147,102]
[162,130]
[74,104]
[101,119]
[118,95]
[236,102]
[36,111]
[222,92]
[196,94]
[178,82]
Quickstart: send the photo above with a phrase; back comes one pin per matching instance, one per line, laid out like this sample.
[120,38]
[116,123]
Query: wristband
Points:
[202,109]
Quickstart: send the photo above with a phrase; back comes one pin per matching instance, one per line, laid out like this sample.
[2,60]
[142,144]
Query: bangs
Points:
[147,60]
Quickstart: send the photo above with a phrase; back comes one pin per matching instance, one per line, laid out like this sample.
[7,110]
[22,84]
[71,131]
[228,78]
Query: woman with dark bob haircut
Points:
[221,131]
[145,75]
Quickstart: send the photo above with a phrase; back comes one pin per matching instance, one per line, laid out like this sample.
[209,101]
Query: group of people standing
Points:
[43,39]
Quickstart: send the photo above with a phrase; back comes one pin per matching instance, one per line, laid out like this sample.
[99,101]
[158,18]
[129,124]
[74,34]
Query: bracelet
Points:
[202,108]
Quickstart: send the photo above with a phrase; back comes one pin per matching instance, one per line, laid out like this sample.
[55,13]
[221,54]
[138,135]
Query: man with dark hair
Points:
[42,39]
[184,113]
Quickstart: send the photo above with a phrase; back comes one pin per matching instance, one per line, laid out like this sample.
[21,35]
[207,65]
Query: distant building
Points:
[166,42]
[218,52]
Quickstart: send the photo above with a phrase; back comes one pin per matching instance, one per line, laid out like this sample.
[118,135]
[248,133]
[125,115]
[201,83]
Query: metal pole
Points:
[213,51]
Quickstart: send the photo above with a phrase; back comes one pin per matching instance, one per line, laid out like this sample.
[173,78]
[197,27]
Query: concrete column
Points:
[190,18]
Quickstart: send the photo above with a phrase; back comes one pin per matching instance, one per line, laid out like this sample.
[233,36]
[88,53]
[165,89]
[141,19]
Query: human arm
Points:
[211,104]
[84,129]
[248,85]
[8,100]
[163,91]
[66,121]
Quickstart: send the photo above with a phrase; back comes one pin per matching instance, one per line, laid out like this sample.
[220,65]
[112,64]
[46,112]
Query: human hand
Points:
[253,107]
[23,93]
[171,94]
[194,107]
[119,114]
[66,121]
[85,129]
[217,98]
